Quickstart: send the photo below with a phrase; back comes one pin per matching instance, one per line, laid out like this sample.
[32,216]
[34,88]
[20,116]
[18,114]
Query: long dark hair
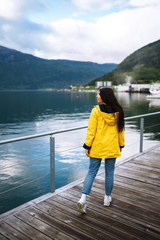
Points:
[108,97]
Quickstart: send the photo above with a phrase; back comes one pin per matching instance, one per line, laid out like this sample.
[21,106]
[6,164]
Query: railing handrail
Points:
[142,115]
[66,130]
[40,135]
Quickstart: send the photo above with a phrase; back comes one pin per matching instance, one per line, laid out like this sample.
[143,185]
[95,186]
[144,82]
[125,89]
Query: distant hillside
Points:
[143,66]
[24,71]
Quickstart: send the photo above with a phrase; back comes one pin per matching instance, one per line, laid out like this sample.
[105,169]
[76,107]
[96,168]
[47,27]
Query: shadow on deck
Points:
[133,214]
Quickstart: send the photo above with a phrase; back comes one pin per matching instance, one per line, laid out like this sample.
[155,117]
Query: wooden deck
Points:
[133,214]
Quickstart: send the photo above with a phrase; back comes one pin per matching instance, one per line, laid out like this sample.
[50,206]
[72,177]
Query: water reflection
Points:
[28,106]
[154,103]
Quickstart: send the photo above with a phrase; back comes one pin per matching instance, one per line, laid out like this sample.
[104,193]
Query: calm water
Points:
[31,112]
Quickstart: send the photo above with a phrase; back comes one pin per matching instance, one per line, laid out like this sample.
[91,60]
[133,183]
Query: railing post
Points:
[141,133]
[52,164]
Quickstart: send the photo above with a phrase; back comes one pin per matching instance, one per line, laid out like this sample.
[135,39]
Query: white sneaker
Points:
[107,201]
[81,206]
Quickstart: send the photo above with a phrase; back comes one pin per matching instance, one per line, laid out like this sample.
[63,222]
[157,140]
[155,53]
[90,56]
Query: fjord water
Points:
[24,113]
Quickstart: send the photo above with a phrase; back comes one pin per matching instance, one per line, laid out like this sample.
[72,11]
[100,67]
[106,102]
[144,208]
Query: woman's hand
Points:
[87,152]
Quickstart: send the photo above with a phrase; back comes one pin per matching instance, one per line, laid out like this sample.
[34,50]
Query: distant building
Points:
[133,88]
[103,84]
[73,87]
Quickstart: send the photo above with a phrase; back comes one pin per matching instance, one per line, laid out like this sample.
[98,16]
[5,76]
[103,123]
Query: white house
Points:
[103,84]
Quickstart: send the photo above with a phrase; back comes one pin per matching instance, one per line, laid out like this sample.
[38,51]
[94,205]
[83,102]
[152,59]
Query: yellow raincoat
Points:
[103,138]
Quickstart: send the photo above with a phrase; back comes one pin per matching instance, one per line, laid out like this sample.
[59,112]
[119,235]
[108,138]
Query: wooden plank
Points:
[149,159]
[95,200]
[89,226]
[140,177]
[134,184]
[156,149]
[138,166]
[61,226]
[127,192]
[143,186]
[3,238]
[111,213]
[141,172]
[11,233]
[137,198]
[139,194]
[114,223]
[29,216]
[26,229]
[131,209]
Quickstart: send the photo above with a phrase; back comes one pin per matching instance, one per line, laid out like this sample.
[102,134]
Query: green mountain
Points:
[143,66]
[25,71]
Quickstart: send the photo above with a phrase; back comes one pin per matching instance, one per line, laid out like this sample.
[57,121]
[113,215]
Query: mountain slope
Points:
[143,66]
[24,71]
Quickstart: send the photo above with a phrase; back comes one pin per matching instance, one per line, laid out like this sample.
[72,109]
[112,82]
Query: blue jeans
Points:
[92,172]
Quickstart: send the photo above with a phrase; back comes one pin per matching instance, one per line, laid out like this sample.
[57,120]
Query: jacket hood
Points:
[108,115]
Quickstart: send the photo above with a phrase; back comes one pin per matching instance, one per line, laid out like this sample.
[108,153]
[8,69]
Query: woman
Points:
[104,139]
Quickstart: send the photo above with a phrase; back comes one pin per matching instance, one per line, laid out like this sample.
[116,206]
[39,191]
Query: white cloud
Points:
[127,31]
[97,5]
[9,9]
[102,5]
[143,3]
[108,39]
[14,9]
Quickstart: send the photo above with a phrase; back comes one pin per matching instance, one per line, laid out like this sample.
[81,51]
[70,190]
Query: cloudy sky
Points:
[100,31]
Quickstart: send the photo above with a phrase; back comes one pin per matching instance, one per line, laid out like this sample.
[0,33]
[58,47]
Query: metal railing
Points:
[52,142]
